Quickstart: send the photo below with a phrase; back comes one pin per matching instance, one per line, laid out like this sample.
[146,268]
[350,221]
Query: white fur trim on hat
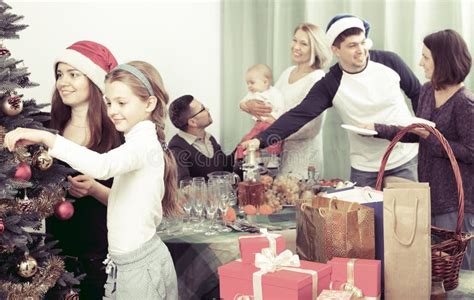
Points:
[342,24]
[83,64]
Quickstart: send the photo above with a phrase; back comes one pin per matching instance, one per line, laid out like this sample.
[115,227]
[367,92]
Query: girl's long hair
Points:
[169,204]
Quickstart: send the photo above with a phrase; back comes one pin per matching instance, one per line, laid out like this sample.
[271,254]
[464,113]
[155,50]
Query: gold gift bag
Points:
[407,239]
[330,227]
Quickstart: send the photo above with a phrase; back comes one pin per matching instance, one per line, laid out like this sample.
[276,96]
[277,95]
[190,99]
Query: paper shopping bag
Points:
[407,241]
[331,227]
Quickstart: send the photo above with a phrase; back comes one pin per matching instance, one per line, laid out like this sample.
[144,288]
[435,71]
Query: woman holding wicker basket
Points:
[445,101]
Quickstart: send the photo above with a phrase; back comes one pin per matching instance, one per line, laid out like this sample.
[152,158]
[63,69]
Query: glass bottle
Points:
[437,289]
[251,189]
[311,186]
[311,181]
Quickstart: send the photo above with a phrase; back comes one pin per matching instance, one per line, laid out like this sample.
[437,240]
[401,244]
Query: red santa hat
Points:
[90,58]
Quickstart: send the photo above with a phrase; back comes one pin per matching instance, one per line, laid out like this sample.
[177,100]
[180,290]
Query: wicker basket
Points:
[447,255]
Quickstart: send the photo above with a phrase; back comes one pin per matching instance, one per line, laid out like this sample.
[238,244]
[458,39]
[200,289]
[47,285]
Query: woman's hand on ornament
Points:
[81,185]
[28,136]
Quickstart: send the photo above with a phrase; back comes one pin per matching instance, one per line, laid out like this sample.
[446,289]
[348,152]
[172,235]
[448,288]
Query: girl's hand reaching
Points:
[28,136]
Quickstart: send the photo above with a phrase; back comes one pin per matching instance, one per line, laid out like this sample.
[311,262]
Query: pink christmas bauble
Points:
[23,171]
[64,210]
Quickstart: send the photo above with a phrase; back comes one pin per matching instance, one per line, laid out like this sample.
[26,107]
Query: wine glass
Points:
[223,196]
[211,205]
[185,200]
[199,199]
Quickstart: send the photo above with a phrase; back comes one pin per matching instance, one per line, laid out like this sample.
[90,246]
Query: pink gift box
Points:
[335,295]
[252,244]
[236,280]
[367,275]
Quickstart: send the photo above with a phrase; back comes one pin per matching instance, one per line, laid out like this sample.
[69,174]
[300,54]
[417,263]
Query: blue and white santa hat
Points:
[342,22]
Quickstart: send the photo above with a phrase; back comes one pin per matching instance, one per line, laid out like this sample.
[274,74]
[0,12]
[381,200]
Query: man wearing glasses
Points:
[197,152]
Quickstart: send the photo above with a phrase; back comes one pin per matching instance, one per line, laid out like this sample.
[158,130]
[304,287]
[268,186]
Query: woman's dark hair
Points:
[451,57]
[103,135]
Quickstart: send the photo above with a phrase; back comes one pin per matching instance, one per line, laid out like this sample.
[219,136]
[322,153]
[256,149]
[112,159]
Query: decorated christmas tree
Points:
[32,187]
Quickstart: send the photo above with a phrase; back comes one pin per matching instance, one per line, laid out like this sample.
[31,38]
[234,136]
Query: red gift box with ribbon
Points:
[252,244]
[282,277]
[361,276]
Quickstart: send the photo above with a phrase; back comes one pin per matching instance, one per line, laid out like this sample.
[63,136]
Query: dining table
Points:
[197,256]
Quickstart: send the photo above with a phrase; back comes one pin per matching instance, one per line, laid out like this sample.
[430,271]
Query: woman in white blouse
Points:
[310,54]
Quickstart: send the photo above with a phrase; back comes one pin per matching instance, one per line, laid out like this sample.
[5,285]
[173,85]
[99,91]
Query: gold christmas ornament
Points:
[11,104]
[42,160]
[27,267]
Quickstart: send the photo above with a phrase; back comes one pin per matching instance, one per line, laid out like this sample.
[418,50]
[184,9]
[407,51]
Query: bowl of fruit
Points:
[335,184]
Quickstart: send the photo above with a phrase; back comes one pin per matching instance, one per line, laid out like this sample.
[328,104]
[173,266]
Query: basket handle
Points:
[452,158]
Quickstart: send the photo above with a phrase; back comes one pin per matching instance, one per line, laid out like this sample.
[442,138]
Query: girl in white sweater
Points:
[139,265]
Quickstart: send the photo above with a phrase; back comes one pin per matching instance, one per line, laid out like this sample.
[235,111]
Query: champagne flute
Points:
[185,200]
[224,190]
[199,195]
[211,205]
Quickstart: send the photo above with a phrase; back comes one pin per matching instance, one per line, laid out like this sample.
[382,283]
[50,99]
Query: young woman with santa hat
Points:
[78,112]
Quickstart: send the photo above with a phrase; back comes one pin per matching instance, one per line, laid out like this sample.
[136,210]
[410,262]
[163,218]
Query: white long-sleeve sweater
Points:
[134,208]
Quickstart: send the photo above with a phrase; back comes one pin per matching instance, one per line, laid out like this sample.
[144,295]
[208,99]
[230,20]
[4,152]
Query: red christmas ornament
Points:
[23,171]
[4,51]
[64,210]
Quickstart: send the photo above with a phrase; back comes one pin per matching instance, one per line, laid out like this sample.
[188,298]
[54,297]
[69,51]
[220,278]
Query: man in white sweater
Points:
[364,87]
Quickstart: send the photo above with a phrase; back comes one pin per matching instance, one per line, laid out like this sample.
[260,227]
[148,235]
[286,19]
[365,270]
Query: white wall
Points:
[181,38]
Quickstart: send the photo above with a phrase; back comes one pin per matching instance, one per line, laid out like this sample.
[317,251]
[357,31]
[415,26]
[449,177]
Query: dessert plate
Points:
[359,130]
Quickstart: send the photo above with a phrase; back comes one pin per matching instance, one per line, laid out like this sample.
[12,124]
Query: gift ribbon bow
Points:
[267,261]
[271,237]
[349,285]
